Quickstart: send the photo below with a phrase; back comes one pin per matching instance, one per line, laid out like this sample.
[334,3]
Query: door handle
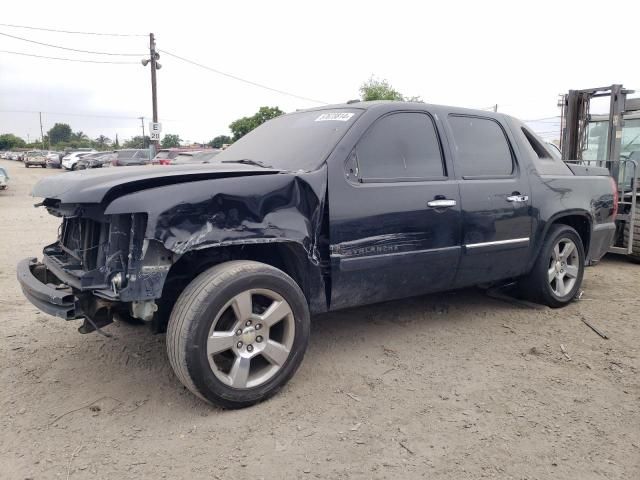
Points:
[518,198]
[441,203]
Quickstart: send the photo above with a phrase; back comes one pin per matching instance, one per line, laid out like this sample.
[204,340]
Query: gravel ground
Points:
[452,386]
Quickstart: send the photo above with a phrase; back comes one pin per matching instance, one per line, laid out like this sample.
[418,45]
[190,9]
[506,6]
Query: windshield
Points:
[297,141]
[597,138]
[631,139]
[596,148]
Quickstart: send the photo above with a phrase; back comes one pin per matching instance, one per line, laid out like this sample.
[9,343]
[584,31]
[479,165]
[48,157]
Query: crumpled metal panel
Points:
[232,211]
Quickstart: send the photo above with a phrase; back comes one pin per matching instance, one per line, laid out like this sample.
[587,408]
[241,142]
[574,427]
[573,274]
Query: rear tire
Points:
[238,333]
[557,273]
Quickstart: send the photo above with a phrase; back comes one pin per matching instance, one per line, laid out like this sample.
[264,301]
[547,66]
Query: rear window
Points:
[127,154]
[166,155]
[481,147]
[183,158]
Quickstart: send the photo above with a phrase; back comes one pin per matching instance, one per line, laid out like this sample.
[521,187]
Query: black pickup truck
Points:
[315,211]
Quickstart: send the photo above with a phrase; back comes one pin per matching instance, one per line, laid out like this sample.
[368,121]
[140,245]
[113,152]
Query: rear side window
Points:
[400,146]
[481,148]
[536,146]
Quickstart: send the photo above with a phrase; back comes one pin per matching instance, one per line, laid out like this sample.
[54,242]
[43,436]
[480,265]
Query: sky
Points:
[473,54]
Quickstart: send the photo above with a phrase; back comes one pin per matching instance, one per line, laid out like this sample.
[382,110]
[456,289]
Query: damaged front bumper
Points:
[47,292]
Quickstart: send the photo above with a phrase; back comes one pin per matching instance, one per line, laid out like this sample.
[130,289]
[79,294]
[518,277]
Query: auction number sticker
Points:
[335,117]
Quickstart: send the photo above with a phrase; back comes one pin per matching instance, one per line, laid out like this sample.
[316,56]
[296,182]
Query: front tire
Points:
[558,271]
[238,333]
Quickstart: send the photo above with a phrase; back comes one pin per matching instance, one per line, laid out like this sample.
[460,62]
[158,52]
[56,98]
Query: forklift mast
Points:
[575,121]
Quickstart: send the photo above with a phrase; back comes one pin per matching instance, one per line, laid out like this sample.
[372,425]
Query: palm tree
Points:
[103,141]
[79,136]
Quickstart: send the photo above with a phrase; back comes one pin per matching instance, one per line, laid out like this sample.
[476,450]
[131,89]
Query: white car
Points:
[4,177]
[69,161]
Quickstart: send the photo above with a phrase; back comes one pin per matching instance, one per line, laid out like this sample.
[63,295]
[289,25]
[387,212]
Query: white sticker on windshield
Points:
[334,116]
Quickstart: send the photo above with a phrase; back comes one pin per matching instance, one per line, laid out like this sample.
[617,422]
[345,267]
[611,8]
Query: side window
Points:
[481,148]
[401,146]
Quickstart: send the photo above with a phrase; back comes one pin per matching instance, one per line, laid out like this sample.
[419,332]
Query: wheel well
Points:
[289,257]
[580,224]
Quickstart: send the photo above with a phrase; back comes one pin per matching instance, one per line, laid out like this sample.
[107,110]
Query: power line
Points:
[544,119]
[69,59]
[88,115]
[71,114]
[74,32]
[71,49]
[234,77]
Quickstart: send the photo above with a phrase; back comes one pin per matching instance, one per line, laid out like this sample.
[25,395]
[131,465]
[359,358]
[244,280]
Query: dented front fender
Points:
[232,211]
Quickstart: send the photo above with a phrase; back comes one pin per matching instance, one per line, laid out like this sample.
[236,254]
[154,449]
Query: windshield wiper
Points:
[247,161]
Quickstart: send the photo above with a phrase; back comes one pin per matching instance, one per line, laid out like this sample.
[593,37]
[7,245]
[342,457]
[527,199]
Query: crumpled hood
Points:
[105,184]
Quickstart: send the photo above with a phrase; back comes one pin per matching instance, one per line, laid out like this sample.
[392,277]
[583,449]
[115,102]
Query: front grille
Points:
[82,238]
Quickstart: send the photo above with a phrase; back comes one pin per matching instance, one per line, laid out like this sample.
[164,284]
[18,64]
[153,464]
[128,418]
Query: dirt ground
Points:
[453,386]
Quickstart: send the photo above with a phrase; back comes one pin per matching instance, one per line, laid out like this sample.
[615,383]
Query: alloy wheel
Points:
[564,267]
[251,338]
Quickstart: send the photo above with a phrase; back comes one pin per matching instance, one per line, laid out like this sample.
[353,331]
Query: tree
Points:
[9,141]
[376,89]
[137,142]
[60,132]
[170,140]
[219,141]
[266,113]
[102,141]
[79,136]
[244,125]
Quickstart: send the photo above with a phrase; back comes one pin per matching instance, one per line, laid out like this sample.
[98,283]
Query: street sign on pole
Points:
[155,129]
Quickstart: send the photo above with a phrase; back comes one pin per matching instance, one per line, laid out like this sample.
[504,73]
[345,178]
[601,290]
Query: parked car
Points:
[166,155]
[4,179]
[35,157]
[70,160]
[194,157]
[5,155]
[131,157]
[54,159]
[96,160]
[15,156]
[363,203]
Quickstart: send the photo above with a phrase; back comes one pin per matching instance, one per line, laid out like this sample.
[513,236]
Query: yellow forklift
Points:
[610,140]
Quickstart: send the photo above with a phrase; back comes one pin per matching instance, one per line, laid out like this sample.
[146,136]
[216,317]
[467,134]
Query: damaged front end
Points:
[95,269]
[129,243]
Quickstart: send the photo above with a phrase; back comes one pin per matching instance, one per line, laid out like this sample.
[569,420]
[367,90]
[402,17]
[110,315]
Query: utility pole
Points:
[495,107]
[153,60]
[143,139]
[41,132]
[154,91]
